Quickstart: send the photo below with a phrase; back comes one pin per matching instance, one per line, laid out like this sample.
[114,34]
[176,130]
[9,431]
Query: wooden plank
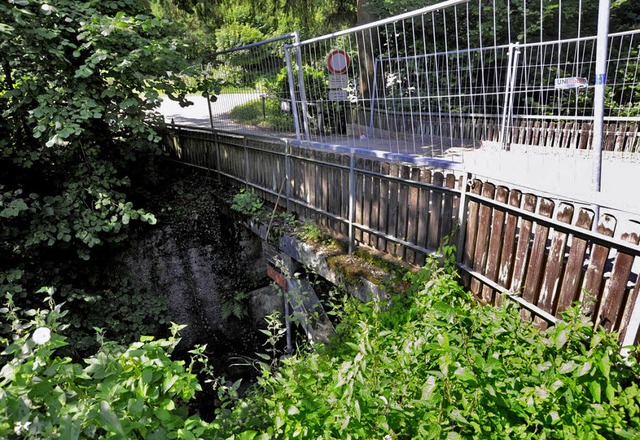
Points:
[555,130]
[403,209]
[545,133]
[328,184]
[367,189]
[555,263]
[384,207]
[567,132]
[333,186]
[522,248]
[473,207]
[628,311]
[392,216]
[435,213]
[574,135]
[345,196]
[447,209]
[413,214]
[495,245]
[590,296]
[535,267]
[482,237]
[375,204]
[585,136]
[536,132]
[310,170]
[621,134]
[610,311]
[321,195]
[528,134]
[423,216]
[572,279]
[507,256]
[632,137]
[358,208]
[456,209]
[609,137]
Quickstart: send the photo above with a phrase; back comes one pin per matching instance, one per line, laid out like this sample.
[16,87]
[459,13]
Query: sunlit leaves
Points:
[120,392]
[434,364]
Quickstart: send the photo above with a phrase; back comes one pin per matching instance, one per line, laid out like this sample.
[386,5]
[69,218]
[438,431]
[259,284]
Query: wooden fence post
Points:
[352,197]
[287,173]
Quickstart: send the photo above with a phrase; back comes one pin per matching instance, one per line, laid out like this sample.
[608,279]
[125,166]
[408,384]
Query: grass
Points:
[270,117]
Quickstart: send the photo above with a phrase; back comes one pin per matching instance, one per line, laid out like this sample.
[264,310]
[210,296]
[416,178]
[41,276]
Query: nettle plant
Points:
[248,203]
[434,363]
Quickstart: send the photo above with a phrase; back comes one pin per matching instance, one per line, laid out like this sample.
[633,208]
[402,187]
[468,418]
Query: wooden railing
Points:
[539,251]
[543,132]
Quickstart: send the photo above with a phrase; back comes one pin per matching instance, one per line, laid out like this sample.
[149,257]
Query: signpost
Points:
[338,62]
[571,83]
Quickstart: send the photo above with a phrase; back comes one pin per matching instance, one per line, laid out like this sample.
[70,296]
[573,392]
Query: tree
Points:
[78,134]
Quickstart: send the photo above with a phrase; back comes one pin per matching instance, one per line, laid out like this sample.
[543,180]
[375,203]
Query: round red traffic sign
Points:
[338,61]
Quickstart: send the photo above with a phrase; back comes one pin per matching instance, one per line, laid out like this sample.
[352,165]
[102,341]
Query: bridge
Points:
[542,251]
[443,125]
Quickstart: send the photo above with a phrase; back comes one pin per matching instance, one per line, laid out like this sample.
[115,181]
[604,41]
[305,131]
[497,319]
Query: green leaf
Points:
[561,338]
[604,365]
[169,382]
[596,391]
[110,419]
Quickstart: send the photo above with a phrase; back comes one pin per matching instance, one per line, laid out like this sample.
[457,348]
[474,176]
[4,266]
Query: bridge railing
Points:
[536,249]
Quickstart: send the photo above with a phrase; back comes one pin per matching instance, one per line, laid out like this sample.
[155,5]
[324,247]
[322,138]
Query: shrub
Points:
[120,392]
[436,364]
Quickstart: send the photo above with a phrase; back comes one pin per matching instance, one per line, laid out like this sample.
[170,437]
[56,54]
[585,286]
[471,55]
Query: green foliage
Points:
[247,203]
[79,84]
[235,35]
[120,392]
[436,364]
[234,304]
[309,231]
[273,117]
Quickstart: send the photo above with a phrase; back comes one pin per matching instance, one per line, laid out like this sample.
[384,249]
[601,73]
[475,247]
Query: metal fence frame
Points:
[417,214]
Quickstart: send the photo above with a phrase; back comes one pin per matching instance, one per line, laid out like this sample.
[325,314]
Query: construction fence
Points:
[538,250]
[442,79]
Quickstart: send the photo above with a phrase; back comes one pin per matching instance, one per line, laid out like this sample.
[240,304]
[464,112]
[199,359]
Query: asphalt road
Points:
[197,115]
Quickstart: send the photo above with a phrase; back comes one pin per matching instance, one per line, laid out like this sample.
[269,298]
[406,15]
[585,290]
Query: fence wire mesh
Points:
[439,81]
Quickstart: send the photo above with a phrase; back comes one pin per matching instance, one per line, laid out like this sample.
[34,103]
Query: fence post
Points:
[462,217]
[303,91]
[374,95]
[287,172]
[352,197]
[507,111]
[246,162]
[292,91]
[218,164]
[598,99]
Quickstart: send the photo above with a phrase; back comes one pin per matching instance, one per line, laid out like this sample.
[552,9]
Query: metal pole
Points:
[292,91]
[352,198]
[514,76]
[373,96]
[303,92]
[507,93]
[598,100]
[287,172]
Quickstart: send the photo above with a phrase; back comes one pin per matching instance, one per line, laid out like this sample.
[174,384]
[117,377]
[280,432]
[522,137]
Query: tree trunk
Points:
[365,50]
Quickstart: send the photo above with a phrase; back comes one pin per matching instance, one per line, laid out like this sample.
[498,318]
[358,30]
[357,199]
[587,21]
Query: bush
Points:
[436,364]
[120,392]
